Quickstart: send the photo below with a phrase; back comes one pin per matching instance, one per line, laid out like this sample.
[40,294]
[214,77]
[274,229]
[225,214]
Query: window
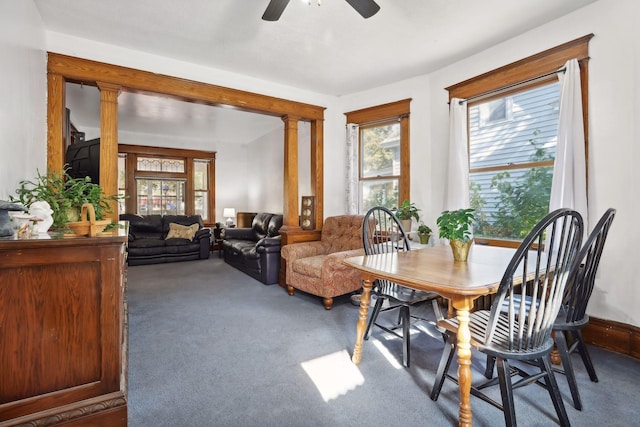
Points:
[511,162]
[383,154]
[167,181]
[201,187]
[160,197]
[380,169]
[122,182]
[512,133]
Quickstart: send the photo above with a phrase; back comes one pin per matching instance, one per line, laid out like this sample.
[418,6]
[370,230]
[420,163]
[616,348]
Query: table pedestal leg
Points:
[362,320]
[462,306]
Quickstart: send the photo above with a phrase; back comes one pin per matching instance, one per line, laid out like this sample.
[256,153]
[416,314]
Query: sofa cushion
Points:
[179,219]
[177,231]
[144,226]
[147,243]
[343,232]
[275,223]
[260,225]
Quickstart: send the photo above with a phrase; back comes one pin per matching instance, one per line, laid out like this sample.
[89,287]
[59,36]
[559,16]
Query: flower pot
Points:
[424,238]
[406,224]
[460,249]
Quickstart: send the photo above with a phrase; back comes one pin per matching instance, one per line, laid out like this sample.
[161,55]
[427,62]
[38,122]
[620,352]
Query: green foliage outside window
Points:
[380,185]
[522,202]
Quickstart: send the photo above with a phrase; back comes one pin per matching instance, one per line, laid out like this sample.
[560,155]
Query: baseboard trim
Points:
[615,336]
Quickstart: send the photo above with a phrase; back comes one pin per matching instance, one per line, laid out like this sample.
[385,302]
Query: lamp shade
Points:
[229,212]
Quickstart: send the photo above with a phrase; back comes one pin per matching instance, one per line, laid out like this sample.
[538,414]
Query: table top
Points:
[433,269]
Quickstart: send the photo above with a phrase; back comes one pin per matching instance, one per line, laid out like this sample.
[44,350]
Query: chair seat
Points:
[310,266]
[499,345]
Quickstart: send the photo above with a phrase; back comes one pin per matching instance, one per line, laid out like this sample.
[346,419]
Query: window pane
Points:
[202,205]
[533,126]
[510,200]
[122,181]
[380,148]
[160,197]
[200,175]
[382,192]
[160,165]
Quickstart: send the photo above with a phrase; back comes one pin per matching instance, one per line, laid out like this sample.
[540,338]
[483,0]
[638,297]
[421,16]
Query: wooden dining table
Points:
[433,269]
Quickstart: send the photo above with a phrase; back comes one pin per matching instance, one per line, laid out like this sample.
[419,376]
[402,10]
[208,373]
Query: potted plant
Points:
[424,233]
[405,212]
[456,226]
[65,195]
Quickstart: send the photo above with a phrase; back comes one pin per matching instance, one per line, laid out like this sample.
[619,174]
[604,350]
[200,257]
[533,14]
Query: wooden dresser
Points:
[63,337]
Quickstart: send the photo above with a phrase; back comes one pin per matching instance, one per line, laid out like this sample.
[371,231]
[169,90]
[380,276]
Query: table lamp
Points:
[230,213]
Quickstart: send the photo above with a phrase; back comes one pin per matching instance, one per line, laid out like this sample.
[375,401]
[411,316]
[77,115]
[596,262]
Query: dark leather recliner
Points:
[255,250]
[148,244]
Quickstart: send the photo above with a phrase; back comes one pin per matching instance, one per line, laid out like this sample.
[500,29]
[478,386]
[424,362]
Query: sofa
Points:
[317,267]
[157,239]
[255,250]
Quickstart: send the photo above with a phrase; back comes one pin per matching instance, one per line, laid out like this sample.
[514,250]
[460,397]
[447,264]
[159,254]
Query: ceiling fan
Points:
[366,8]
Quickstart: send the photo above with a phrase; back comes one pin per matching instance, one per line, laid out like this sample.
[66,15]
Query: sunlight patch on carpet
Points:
[393,360]
[334,374]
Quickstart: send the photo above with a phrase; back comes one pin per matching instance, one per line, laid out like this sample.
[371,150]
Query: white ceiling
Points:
[328,49]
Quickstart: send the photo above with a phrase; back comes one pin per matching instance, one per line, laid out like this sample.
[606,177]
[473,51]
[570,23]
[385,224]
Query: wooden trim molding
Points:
[524,69]
[615,336]
[63,68]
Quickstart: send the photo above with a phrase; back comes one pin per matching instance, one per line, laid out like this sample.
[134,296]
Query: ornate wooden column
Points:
[290,199]
[55,121]
[109,141]
[317,168]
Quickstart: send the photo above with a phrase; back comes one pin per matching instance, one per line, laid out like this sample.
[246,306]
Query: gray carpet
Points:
[209,346]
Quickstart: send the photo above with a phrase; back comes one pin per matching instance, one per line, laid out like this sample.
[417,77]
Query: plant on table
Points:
[456,226]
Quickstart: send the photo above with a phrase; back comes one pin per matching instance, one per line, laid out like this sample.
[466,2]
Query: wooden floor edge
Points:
[615,336]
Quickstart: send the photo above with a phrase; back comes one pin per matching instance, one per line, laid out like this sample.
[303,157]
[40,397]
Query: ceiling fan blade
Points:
[366,8]
[274,10]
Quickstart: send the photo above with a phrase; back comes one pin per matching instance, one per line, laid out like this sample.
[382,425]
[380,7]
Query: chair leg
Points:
[586,358]
[563,350]
[406,334]
[488,370]
[373,317]
[328,303]
[443,367]
[506,391]
[554,391]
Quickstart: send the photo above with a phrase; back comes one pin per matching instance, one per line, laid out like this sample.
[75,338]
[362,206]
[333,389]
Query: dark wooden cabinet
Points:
[63,331]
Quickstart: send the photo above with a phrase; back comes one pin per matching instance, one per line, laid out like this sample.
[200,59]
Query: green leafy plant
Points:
[406,211]
[456,225]
[64,194]
[424,229]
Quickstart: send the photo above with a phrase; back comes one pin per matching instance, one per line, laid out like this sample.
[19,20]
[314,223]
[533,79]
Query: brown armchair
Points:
[317,268]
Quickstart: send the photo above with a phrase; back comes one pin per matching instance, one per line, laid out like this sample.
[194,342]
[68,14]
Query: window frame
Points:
[504,79]
[132,153]
[378,116]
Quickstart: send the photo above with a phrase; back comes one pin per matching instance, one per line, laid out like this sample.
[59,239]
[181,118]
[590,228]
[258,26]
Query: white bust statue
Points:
[42,211]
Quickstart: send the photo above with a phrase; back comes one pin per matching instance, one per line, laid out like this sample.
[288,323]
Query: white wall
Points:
[614,107]
[23,113]
[264,178]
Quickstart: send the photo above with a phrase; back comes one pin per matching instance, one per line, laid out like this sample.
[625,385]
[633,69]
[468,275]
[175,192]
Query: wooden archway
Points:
[111,79]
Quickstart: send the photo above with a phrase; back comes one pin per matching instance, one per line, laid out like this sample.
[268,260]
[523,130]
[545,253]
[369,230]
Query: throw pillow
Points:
[177,231]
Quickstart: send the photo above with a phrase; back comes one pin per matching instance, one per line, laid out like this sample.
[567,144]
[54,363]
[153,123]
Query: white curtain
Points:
[569,185]
[457,195]
[352,168]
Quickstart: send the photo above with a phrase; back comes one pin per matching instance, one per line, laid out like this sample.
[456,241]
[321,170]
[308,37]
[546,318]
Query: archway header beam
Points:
[72,68]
